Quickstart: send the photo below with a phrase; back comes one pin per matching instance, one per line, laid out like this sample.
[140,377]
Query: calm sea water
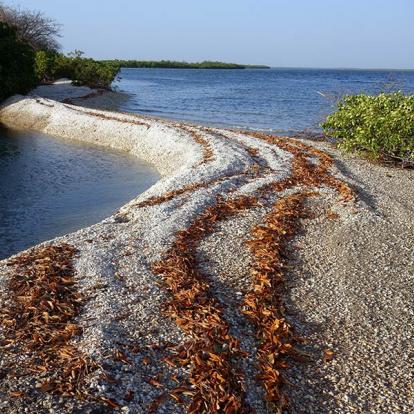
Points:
[273,99]
[50,187]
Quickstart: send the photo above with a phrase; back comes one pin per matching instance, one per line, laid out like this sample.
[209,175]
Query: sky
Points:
[279,33]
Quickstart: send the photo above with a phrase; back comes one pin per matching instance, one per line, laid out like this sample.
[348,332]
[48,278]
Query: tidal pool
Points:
[50,186]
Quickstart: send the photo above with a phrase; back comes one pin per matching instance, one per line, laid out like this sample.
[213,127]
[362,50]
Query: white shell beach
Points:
[339,293]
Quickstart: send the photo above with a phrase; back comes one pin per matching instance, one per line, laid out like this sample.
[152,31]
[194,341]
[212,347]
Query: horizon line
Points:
[341,68]
[265,64]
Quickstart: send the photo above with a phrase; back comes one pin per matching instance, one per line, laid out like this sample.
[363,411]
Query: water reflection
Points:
[49,187]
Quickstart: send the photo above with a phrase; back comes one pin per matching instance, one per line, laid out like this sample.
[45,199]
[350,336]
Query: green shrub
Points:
[17,58]
[45,64]
[94,74]
[82,71]
[380,127]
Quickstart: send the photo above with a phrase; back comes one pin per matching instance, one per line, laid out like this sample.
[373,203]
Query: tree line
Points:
[173,64]
[29,55]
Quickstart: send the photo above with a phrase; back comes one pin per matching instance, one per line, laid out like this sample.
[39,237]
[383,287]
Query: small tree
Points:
[45,65]
[33,27]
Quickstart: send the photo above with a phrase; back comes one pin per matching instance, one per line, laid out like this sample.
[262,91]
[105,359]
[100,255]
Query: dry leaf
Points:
[328,355]
[17,394]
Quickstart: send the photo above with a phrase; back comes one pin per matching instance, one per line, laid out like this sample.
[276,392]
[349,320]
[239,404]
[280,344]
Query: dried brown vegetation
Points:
[39,319]
[108,117]
[170,195]
[213,351]
[306,172]
[253,152]
[210,354]
[208,153]
[257,169]
[263,305]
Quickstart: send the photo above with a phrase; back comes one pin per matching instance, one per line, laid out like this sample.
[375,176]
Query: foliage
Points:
[28,54]
[44,65]
[172,64]
[17,74]
[381,126]
[32,27]
[43,308]
[83,71]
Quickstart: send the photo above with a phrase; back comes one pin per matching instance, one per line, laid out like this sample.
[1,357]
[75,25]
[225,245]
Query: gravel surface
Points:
[349,288]
[352,291]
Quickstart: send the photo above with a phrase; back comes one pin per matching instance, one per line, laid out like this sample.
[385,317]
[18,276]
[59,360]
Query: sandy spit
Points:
[349,289]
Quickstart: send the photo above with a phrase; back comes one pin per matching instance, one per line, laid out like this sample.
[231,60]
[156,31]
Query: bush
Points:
[28,55]
[45,63]
[380,127]
[17,59]
[82,71]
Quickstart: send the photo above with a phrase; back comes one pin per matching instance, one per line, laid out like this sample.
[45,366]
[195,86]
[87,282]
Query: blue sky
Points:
[293,33]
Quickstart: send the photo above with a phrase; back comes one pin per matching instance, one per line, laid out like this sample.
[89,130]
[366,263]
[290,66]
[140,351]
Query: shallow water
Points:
[279,100]
[50,187]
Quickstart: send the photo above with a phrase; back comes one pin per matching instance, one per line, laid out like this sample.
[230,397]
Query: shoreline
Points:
[200,166]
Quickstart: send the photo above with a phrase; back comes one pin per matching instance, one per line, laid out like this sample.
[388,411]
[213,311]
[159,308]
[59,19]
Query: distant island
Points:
[172,64]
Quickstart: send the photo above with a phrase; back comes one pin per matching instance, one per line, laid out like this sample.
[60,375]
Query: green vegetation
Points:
[380,127]
[171,64]
[17,73]
[29,55]
[83,71]
[44,65]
